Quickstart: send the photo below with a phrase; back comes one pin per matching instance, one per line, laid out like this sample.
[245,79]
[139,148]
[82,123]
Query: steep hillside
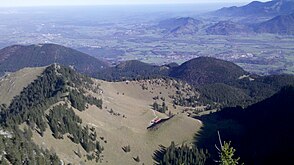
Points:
[261,133]
[207,70]
[40,104]
[283,24]
[244,91]
[256,8]
[12,84]
[16,57]
[228,28]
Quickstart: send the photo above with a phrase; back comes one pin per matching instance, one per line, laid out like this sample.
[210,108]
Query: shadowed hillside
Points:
[244,91]
[261,133]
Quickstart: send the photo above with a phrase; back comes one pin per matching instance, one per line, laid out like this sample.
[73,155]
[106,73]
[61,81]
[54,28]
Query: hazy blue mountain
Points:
[228,28]
[283,24]
[180,26]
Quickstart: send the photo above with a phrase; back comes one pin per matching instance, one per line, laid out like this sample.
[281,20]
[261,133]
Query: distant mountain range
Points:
[16,57]
[256,8]
[278,12]
[282,24]
[279,15]
[228,28]
[180,26]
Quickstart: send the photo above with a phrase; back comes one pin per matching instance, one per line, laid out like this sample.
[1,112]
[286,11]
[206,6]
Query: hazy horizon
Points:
[21,3]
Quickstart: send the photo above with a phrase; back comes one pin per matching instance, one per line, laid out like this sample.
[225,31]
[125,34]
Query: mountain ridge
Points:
[256,8]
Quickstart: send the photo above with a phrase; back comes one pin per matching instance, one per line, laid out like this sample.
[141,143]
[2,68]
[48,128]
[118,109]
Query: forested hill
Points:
[244,91]
[16,57]
[261,133]
[207,70]
[49,100]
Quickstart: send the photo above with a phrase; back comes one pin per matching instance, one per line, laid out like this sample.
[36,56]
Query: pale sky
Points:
[5,3]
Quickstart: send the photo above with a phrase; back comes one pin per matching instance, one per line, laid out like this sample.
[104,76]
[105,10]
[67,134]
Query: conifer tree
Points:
[226,153]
